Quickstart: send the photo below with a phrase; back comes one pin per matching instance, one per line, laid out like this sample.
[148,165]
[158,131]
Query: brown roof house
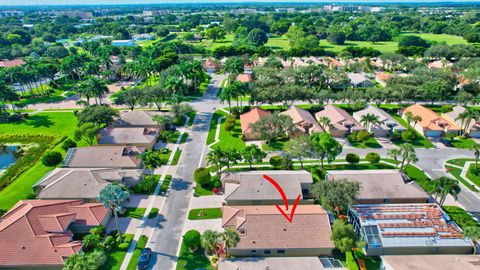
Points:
[123,157]
[343,123]
[83,183]
[386,124]
[382,186]
[473,128]
[432,124]
[430,262]
[210,65]
[245,78]
[37,234]
[249,118]
[264,231]
[251,188]
[12,63]
[359,80]
[280,263]
[135,136]
[137,118]
[303,120]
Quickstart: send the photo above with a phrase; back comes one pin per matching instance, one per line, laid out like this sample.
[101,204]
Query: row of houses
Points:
[392,214]
[38,234]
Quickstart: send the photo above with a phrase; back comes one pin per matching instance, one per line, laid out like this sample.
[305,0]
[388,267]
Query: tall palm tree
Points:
[394,154]
[476,154]
[408,119]
[7,94]
[466,119]
[227,95]
[447,186]
[230,238]
[233,67]
[416,119]
[216,157]
[474,234]
[408,155]
[112,197]
[209,240]
[369,120]
[174,85]
[325,123]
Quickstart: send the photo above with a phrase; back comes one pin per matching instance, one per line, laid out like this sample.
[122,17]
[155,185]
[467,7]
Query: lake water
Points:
[8,155]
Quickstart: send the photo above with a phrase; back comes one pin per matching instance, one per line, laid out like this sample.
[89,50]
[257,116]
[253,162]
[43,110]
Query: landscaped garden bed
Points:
[460,216]
[205,213]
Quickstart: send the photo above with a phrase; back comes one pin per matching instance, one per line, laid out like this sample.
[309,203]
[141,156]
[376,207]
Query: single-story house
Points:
[438,64]
[430,262]
[136,118]
[210,65]
[359,80]
[407,229]
[123,157]
[382,186]
[386,124]
[382,77]
[473,128]
[280,263]
[37,234]
[83,183]
[123,43]
[141,136]
[303,120]
[432,124]
[343,123]
[245,78]
[249,118]
[264,231]
[251,188]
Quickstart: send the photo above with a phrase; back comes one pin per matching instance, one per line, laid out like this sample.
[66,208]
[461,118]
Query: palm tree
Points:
[369,120]
[209,240]
[416,119]
[233,67]
[466,119]
[325,123]
[476,154]
[230,237]
[226,95]
[112,197]
[394,154]
[447,186]
[174,85]
[408,155]
[7,94]
[408,118]
[216,157]
[474,234]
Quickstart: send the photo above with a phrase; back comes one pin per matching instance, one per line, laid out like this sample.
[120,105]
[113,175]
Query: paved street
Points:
[166,239]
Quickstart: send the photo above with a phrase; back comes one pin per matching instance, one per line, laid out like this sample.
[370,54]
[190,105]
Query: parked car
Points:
[144,259]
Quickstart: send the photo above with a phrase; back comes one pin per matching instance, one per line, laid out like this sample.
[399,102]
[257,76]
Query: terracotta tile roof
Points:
[262,227]
[35,232]
[303,119]
[12,63]
[252,117]
[430,119]
[245,78]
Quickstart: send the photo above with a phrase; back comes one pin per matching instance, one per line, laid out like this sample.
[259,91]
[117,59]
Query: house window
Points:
[267,251]
[281,251]
[253,251]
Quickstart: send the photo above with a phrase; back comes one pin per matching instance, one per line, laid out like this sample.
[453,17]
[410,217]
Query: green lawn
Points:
[475,178]
[57,123]
[419,142]
[371,262]
[213,126]
[466,143]
[176,157]
[278,43]
[134,212]
[456,172]
[441,38]
[205,213]
[459,161]
[460,216]
[383,46]
[193,260]
[165,184]
[276,145]
[142,242]
[418,176]
[370,143]
[227,139]
[116,256]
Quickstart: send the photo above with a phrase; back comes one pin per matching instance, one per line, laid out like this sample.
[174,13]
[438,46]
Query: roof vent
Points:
[253,242]
[23,247]
[284,229]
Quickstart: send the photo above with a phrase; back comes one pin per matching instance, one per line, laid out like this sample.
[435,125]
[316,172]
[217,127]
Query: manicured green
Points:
[203,191]
[276,145]
[351,262]
[460,216]
[176,157]
[191,117]
[456,172]
[230,139]
[134,212]
[418,176]
[213,125]
[466,143]
[441,38]
[193,260]
[57,123]
[475,178]
[171,136]
[370,143]
[153,213]
[165,184]
[116,256]
[371,262]
[419,142]
[142,242]
[459,161]
[278,43]
[205,213]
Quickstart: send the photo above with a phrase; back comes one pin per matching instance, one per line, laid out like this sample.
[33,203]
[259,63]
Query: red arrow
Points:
[285,200]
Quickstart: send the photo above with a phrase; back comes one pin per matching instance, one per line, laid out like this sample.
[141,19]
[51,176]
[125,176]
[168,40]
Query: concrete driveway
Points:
[386,143]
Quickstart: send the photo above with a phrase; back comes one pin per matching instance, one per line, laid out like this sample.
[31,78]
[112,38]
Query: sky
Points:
[112,2]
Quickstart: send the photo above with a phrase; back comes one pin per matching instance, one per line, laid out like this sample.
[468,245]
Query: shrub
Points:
[52,158]
[229,125]
[153,213]
[108,243]
[276,161]
[358,105]
[395,136]
[446,108]
[362,136]
[352,158]
[91,242]
[202,176]
[123,246]
[409,135]
[192,240]
[100,230]
[68,143]
[217,183]
[373,157]
[146,185]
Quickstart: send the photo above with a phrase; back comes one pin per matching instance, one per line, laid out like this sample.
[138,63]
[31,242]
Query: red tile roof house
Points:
[343,123]
[37,234]
[432,124]
[249,118]
[264,231]
[12,63]
[303,120]
[245,78]
[210,65]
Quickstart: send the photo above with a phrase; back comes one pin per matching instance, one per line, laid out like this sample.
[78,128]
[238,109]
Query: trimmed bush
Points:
[352,158]
[52,158]
[276,161]
[202,176]
[192,239]
[362,136]
[409,135]
[68,143]
[373,157]
[217,183]
[446,108]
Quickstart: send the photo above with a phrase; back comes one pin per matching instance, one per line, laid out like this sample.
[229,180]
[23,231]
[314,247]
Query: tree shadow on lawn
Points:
[36,121]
